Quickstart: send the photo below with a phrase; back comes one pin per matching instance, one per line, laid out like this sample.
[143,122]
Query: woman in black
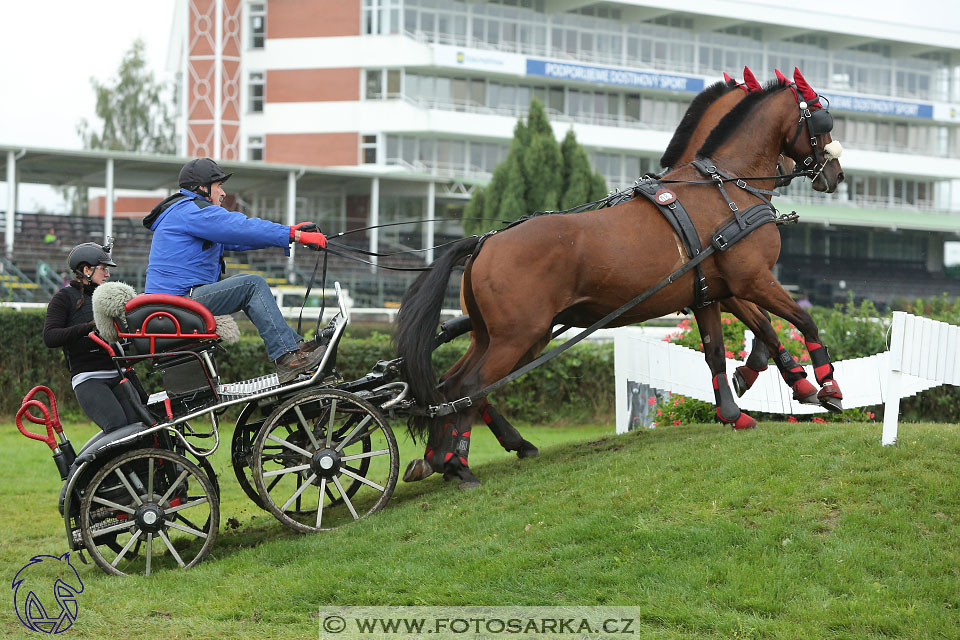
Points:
[69,320]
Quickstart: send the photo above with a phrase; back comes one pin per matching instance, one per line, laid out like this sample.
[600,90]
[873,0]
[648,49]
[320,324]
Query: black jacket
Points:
[67,326]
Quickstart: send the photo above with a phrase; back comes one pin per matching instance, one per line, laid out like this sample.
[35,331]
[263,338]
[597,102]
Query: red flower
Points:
[728,354]
[652,400]
[743,354]
[677,423]
[659,412]
[804,357]
[791,419]
[818,419]
[871,415]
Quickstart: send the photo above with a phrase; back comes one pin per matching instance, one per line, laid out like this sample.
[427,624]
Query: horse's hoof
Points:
[464,475]
[743,379]
[527,450]
[831,397]
[804,392]
[466,485]
[417,470]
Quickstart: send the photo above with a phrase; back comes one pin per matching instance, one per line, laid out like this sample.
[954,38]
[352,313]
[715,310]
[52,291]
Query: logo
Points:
[45,593]
[460,57]
[664,196]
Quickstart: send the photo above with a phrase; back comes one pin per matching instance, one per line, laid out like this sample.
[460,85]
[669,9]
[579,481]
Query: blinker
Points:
[820,122]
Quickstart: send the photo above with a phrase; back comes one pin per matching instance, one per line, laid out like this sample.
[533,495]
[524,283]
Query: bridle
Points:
[819,122]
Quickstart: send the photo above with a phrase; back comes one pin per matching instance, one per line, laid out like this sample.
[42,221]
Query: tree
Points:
[134,109]
[535,176]
[135,114]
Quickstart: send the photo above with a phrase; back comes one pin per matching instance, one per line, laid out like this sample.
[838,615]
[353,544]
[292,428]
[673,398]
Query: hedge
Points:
[577,385]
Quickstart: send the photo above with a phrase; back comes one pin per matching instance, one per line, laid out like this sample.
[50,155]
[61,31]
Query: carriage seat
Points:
[158,322]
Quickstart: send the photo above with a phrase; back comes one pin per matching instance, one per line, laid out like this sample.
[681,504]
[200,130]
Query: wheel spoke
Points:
[291,446]
[367,454]
[173,487]
[149,550]
[357,428]
[150,476]
[126,483]
[112,528]
[112,505]
[277,472]
[186,505]
[296,495]
[176,525]
[360,436]
[126,547]
[323,487]
[346,500]
[306,427]
[173,551]
[333,415]
[355,476]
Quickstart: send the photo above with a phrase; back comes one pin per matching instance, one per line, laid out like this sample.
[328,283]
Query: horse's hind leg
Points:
[708,319]
[766,342]
[766,292]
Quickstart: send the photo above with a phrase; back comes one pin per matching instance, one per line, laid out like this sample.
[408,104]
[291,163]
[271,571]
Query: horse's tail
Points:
[417,323]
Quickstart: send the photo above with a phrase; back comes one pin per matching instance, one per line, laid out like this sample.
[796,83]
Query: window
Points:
[368,149]
[255,148]
[256,92]
[258,25]
[374,84]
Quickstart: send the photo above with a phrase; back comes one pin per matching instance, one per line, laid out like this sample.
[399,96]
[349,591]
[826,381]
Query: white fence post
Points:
[891,408]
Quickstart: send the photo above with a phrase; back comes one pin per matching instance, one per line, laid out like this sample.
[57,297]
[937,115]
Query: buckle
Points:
[720,241]
[733,207]
[741,183]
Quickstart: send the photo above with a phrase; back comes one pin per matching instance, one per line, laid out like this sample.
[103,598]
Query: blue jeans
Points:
[251,294]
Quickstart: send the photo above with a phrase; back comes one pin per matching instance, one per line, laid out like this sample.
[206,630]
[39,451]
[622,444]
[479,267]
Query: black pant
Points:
[104,403]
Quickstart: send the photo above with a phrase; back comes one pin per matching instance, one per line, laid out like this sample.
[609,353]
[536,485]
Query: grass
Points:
[791,531]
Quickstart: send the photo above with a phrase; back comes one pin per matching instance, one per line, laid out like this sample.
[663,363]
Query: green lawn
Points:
[791,531]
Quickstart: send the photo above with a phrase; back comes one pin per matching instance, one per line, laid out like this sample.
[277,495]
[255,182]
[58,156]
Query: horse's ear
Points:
[782,79]
[808,93]
[751,81]
[727,78]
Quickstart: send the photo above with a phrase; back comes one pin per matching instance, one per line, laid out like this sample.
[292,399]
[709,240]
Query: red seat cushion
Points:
[158,322]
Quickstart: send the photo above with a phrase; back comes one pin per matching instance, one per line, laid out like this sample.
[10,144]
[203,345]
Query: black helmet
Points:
[202,171]
[89,253]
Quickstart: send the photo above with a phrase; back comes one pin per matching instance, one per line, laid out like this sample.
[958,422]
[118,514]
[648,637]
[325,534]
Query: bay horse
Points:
[574,269]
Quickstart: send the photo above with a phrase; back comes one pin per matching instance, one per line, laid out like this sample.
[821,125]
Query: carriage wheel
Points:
[323,459]
[159,508]
[240,450]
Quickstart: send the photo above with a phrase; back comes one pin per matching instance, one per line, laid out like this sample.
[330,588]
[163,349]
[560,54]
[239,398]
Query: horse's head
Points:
[808,143]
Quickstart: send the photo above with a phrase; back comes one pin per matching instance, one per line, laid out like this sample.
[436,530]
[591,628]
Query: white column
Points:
[891,405]
[218,80]
[11,200]
[291,217]
[108,210]
[374,219]
[431,214]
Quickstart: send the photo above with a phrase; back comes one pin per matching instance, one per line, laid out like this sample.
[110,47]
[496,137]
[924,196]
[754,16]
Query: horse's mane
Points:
[688,124]
[729,123]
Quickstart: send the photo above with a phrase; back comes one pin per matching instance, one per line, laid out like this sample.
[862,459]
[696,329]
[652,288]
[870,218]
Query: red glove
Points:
[301,226]
[313,239]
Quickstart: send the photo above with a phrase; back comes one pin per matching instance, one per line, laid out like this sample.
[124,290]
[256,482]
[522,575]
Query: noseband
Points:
[819,123]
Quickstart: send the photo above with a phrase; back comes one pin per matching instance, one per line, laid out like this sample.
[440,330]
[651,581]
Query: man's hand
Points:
[296,229]
[313,239]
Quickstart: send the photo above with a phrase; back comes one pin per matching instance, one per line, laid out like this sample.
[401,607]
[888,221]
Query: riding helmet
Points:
[202,171]
[89,253]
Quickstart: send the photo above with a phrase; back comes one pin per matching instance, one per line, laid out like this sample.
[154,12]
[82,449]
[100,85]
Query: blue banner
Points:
[883,107]
[613,76]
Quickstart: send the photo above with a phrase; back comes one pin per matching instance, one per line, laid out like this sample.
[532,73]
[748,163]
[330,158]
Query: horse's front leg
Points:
[766,292]
[708,320]
[766,342]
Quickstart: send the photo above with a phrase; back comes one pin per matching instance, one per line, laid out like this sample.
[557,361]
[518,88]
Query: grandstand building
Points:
[365,112]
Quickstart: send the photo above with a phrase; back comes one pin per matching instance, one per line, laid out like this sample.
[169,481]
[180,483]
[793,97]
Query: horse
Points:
[575,269]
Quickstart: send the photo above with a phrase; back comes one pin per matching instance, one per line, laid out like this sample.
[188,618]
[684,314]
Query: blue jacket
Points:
[189,238]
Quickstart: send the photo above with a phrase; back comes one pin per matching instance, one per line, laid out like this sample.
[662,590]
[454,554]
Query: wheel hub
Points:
[325,463]
[149,517]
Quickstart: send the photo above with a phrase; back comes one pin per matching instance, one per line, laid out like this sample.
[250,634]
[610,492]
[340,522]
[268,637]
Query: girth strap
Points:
[675,213]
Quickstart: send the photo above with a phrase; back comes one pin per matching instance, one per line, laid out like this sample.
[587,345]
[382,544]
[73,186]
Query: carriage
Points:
[317,453]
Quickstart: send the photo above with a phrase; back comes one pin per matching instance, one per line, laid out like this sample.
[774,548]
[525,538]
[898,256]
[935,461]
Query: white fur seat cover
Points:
[108,306]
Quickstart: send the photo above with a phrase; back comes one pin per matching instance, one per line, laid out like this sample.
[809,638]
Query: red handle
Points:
[100,341]
[49,439]
[28,400]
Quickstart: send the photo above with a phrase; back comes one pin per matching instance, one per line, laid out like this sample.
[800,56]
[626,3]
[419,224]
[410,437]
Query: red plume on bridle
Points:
[750,81]
[782,79]
[728,80]
[808,93]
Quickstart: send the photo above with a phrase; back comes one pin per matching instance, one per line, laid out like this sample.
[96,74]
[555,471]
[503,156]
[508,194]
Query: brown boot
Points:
[291,365]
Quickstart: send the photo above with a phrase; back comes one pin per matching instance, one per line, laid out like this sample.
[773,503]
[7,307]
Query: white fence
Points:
[923,354]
